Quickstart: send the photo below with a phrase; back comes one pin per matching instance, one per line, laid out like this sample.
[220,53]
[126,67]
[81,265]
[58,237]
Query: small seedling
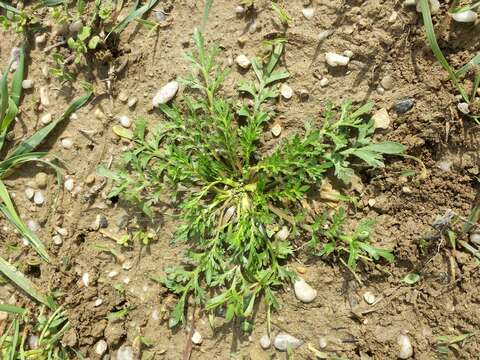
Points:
[79,45]
[230,192]
[282,14]
[446,343]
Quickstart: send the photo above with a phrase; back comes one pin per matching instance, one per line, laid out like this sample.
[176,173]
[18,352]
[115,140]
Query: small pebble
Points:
[303,94]
[252,27]
[380,90]
[475,238]
[160,16]
[33,225]
[324,34]
[101,222]
[348,53]
[381,119]
[125,353]
[132,102]
[44,100]
[125,121]
[243,61]
[165,94]
[69,184]
[101,347]
[369,297]
[265,342]
[301,270]
[61,231]
[304,292]
[284,341]
[57,240]
[372,202]
[38,198]
[403,106]
[276,130]
[286,91]
[98,302]
[393,17]
[90,180]
[387,82]
[282,235]
[46,119]
[406,348]
[27,84]
[74,117]
[40,40]
[197,338]
[112,273]
[123,96]
[308,12]
[463,108]
[85,279]
[322,342]
[127,265]
[3,315]
[32,341]
[67,143]
[335,60]
[444,165]
[75,26]
[324,82]
[29,193]
[468,16]
[239,10]
[99,114]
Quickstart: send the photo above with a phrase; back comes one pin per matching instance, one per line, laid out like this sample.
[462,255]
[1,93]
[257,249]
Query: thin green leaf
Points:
[9,8]
[411,278]
[117,29]
[21,281]
[12,309]
[206,11]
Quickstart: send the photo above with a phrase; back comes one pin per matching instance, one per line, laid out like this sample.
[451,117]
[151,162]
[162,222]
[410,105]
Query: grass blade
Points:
[3,94]
[9,8]
[37,138]
[8,210]
[432,40]
[16,333]
[12,309]
[21,281]
[468,66]
[117,29]
[206,11]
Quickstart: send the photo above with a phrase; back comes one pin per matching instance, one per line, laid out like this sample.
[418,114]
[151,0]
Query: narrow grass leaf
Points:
[117,29]
[12,309]
[21,281]
[206,11]
[37,138]
[8,7]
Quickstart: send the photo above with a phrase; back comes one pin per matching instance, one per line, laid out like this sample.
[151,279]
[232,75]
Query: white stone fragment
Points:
[335,60]
[165,94]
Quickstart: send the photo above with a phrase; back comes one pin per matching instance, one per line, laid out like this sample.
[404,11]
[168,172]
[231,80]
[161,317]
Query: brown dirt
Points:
[404,209]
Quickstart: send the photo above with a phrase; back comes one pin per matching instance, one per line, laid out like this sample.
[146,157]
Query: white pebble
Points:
[126,280]
[468,16]
[322,342]
[101,347]
[123,96]
[463,108]
[69,184]
[32,341]
[38,198]
[197,338]
[3,315]
[113,273]
[348,53]
[286,91]
[57,240]
[98,302]
[46,119]
[239,10]
[304,292]
[444,165]
[61,231]
[132,102]
[324,82]
[27,84]
[44,100]
[282,235]
[308,12]
[284,341]
[265,342]
[67,143]
[29,193]
[381,119]
[86,279]
[165,94]
[243,61]
[40,39]
[252,27]
[127,265]
[406,349]
[125,353]
[74,117]
[475,238]
[334,60]
[276,130]
[369,297]
[33,225]
[125,121]
[393,17]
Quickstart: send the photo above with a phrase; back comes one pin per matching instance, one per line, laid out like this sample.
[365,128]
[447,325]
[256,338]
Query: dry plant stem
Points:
[352,272]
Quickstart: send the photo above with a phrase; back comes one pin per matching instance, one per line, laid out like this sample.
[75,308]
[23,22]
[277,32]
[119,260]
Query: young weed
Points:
[454,75]
[446,344]
[233,196]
